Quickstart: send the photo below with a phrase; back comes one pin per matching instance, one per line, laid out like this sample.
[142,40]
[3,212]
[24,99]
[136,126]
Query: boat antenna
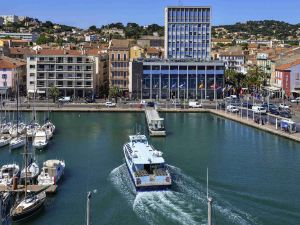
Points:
[209,202]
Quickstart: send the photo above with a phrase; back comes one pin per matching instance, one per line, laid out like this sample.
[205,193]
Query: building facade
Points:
[72,72]
[10,19]
[187,32]
[233,61]
[287,77]
[11,71]
[32,37]
[119,64]
[170,79]
[1,21]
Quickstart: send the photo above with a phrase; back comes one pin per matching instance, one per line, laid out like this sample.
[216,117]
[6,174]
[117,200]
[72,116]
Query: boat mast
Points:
[209,202]
[17,103]
[26,166]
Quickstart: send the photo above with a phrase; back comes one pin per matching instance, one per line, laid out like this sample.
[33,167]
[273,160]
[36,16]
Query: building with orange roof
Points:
[12,73]
[287,77]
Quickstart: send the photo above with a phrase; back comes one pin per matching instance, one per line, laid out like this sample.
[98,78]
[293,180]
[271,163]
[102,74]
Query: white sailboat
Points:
[30,204]
[49,128]
[18,141]
[7,172]
[17,129]
[40,140]
[32,129]
[32,171]
[5,127]
[4,140]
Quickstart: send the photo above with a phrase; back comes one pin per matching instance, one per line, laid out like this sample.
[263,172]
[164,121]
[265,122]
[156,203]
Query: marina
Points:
[222,145]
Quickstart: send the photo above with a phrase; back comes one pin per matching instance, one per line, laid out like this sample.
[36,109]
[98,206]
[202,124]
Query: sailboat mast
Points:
[17,102]
[26,166]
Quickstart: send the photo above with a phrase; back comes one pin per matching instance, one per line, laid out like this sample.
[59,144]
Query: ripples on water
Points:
[185,204]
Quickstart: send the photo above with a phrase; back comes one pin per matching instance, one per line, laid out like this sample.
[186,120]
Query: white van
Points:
[195,105]
[259,109]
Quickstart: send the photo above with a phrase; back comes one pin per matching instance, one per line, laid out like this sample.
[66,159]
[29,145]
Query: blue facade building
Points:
[172,79]
[188,32]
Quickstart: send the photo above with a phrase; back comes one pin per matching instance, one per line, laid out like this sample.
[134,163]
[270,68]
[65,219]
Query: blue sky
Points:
[84,13]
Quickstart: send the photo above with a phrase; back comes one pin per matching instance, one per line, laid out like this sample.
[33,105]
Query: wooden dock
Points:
[155,123]
[31,188]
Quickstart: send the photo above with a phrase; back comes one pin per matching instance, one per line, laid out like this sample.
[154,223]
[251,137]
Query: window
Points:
[31,58]
[32,66]
[112,56]
[4,76]
[119,56]
[124,57]
[31,82]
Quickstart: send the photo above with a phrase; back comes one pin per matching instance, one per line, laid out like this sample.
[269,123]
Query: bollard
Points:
[15,183]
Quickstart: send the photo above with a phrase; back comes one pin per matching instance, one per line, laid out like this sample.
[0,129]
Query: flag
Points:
[174,85]
[182,85]
[201,86]
[165,86]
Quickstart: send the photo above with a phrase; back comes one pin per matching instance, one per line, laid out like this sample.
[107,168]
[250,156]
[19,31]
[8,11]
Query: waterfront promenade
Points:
[207,108]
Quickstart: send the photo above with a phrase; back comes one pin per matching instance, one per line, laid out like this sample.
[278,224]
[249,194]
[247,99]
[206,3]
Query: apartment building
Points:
[1,21]
[233,61]
[31,37]
[188,32]
[287,78]
[9,19]
[72,72]
[119,64]
[11,71]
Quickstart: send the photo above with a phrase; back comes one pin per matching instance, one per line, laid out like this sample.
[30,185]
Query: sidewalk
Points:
[250,122]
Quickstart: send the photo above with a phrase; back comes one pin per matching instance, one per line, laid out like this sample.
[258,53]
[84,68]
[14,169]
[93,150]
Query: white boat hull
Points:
[17,143]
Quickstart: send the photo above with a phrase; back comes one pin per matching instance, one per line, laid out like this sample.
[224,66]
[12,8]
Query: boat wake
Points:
[185,204]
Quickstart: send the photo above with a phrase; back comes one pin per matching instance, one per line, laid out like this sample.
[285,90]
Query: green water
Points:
[254,176]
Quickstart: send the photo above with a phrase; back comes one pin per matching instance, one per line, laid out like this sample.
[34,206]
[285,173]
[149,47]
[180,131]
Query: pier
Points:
[31,188]
[155,123]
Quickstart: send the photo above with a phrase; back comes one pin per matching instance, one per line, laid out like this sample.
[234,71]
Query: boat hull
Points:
[28,213]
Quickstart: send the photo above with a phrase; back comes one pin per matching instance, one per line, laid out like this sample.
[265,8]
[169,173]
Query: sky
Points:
[84,13]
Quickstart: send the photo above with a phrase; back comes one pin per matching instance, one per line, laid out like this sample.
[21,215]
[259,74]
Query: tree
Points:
[104,90]
[54,92]
[43,39]
[93,28]
[236,79]
[114,92]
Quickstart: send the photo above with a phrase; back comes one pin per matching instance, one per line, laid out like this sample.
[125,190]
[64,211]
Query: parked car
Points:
[89,100]
[283,106]
[258,109]
[176,103]
[110,104]
[285,114]
[268,106]
[150,104]
[274,111]
[295,100]
[247,105]
[64,99]
[195,105]
[232,108]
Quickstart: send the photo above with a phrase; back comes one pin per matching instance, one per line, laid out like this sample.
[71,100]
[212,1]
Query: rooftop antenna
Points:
[209,202]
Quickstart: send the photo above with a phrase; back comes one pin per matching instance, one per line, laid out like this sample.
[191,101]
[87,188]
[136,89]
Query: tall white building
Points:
[10,18]
[188,32]
[72,72]
[1,21]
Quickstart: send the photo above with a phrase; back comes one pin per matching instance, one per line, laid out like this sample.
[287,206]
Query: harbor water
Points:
[254,176]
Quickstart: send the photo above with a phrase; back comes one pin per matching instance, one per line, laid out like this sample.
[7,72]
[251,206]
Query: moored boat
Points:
[7,172]
[31,129]
[33,171]
[17,142]
[40,140]
[146,165]
[49,128]
[4,140]
[52,172]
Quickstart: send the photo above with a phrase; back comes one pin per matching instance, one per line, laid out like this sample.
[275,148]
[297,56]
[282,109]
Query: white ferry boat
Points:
[146,165]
